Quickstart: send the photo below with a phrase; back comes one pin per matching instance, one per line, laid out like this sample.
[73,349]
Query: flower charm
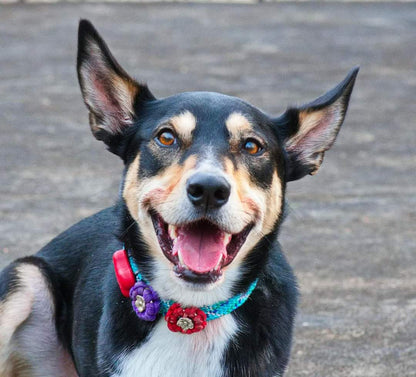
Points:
[145,301]
[185,320]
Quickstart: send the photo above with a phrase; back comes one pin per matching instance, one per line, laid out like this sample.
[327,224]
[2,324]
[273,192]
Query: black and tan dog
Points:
[202,199]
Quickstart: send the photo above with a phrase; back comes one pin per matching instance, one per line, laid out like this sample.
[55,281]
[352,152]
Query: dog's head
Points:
[205,173]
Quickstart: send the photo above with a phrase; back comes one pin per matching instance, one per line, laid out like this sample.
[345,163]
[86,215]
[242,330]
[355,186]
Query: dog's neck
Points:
[148,305]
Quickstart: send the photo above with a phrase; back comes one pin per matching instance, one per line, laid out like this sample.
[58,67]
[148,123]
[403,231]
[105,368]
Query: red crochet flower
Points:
[185,320]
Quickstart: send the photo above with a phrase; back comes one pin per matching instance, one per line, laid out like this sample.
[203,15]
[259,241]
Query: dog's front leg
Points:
[29,343]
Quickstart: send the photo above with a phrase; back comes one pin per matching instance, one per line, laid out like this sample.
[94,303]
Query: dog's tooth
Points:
[217,267]
[174,250]
[172,230]
[227,238]
[182,264]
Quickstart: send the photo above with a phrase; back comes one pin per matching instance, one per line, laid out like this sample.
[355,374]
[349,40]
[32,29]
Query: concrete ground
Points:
[351,232]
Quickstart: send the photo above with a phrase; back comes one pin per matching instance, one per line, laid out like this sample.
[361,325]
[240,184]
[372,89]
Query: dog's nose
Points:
[208,190]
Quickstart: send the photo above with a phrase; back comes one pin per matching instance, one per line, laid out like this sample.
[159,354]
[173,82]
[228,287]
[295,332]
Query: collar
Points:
[147,304]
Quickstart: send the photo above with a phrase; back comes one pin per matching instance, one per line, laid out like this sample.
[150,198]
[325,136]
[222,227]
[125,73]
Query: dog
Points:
[184,275]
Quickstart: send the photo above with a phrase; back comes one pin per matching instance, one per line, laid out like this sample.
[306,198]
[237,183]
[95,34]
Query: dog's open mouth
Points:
[198,250]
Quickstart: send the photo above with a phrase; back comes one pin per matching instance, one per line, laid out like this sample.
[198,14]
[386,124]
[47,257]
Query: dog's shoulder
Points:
[266,322]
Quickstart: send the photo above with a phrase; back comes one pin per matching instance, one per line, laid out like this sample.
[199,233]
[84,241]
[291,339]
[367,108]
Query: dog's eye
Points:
[166,138]
[252,147]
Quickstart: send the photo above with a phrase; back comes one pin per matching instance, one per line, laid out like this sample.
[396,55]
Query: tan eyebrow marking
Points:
[184,125]
[236,124]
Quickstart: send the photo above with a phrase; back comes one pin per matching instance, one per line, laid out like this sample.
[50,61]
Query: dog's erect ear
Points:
[307,132]
[110,94]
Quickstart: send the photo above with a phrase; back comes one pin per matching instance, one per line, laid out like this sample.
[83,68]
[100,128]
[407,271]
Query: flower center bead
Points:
[145,301]
[140,304]
[185,323]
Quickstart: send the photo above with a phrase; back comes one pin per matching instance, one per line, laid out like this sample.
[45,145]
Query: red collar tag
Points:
[124,273]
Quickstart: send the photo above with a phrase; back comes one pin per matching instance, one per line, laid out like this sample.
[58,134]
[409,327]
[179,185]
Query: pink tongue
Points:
[200,245]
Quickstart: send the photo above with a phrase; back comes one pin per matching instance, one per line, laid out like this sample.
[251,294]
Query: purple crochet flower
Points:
[145,301]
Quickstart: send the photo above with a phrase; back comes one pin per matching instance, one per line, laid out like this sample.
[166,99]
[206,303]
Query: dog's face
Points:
[205,173]
[206,182]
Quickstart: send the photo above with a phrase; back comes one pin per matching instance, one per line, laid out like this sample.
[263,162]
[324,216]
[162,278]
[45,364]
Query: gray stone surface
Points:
[351,232]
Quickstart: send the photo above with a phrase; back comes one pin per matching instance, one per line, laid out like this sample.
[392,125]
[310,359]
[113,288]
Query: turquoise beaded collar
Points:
[147,304]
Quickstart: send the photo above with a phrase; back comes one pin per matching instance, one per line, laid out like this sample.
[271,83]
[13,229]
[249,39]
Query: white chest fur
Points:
[169,354]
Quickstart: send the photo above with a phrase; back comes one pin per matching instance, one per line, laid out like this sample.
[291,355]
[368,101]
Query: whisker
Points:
[127,229]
